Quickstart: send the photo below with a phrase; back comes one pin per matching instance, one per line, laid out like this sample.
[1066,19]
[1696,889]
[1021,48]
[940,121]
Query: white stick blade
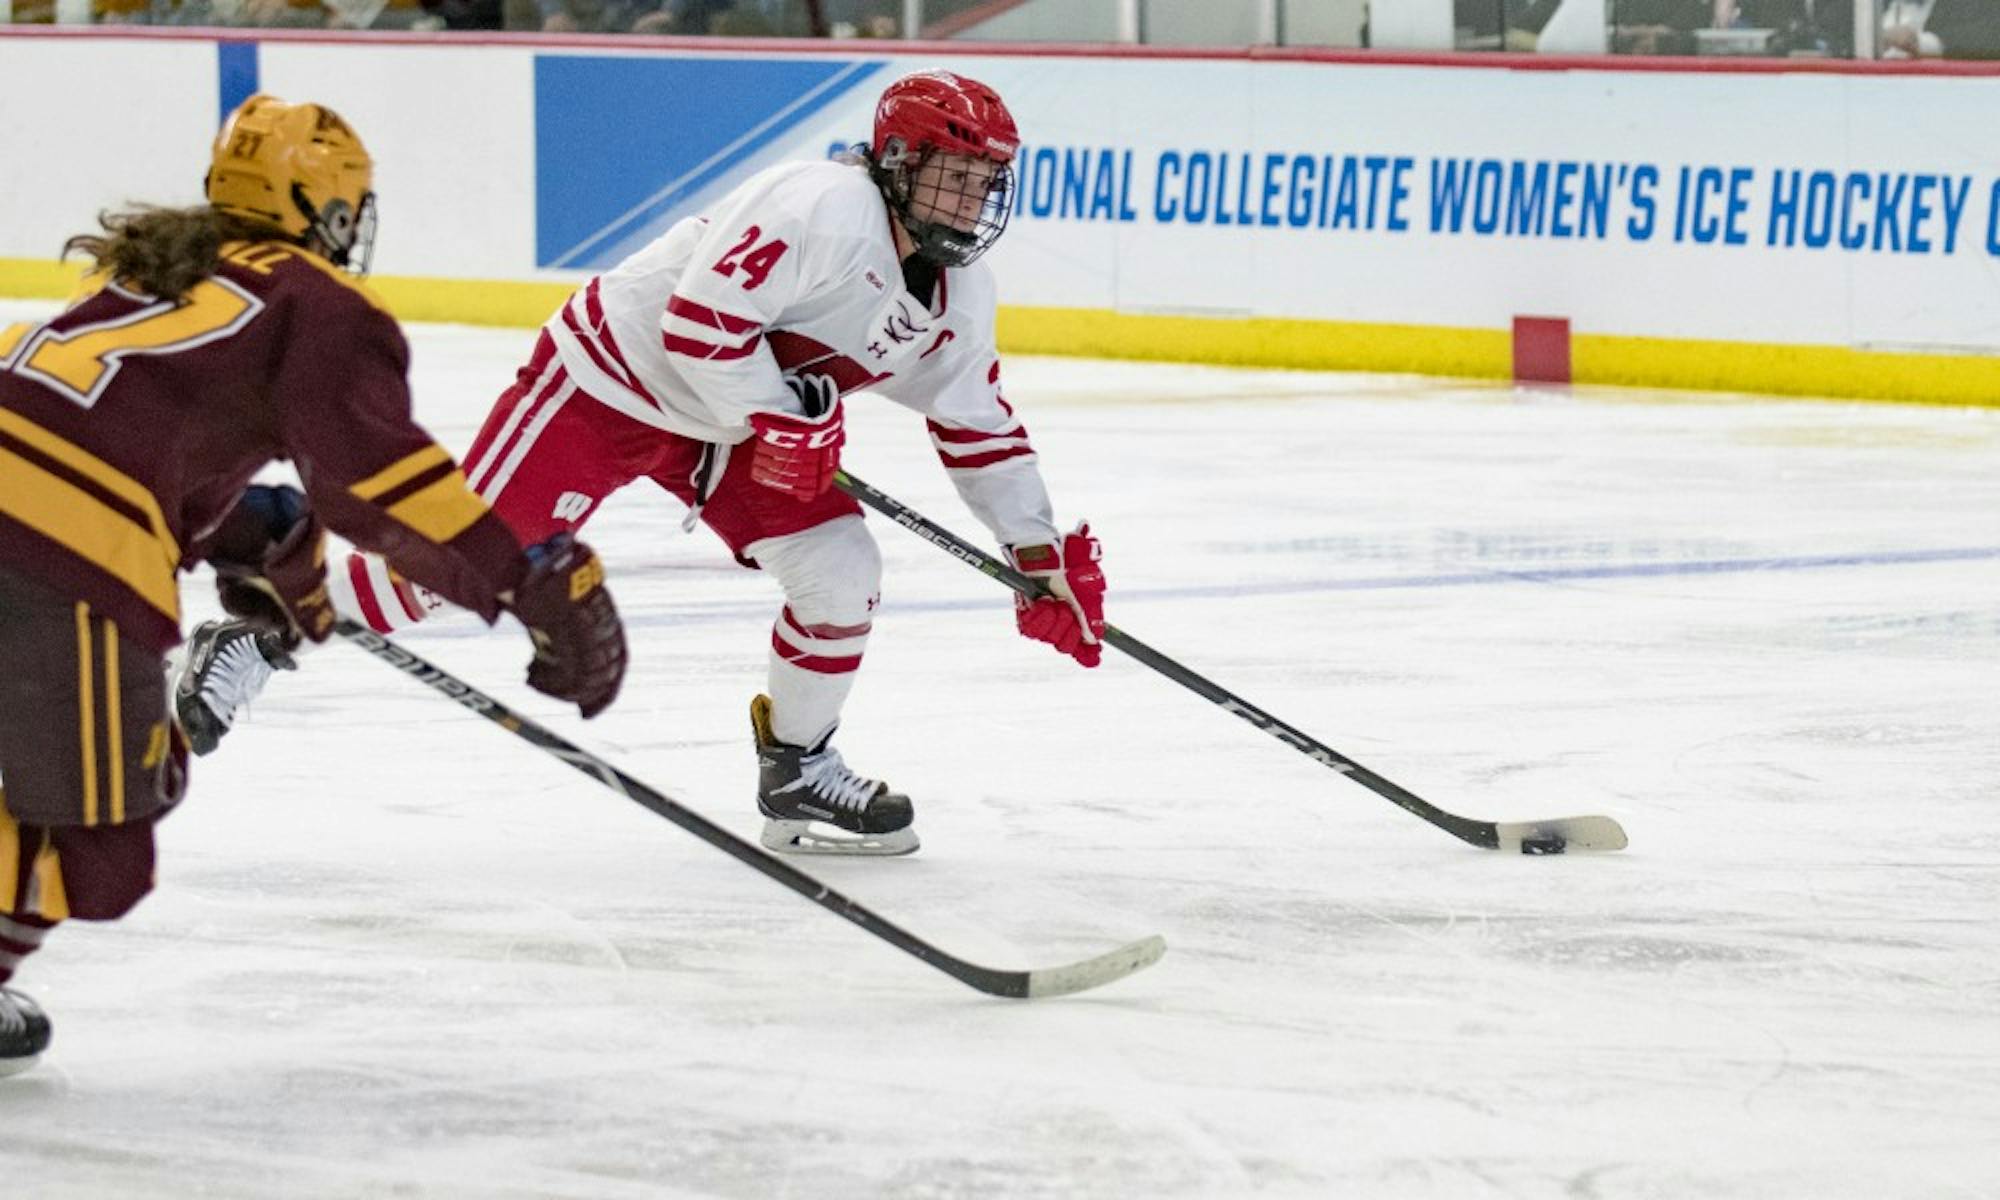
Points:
[1096,972]
[1564,835]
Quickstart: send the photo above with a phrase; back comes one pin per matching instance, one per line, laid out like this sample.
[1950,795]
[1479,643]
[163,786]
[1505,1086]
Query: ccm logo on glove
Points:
[797,455]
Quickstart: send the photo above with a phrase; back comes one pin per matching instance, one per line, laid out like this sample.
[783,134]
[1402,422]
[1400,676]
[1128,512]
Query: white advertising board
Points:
[1810,208]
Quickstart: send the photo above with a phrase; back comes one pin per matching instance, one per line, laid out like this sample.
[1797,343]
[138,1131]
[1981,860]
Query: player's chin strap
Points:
[1529,837]
[705,478]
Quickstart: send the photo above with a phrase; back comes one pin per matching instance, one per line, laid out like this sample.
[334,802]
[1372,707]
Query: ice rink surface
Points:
[395,952]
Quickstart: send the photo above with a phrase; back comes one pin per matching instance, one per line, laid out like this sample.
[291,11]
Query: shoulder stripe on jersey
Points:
[400,472]
[97,512]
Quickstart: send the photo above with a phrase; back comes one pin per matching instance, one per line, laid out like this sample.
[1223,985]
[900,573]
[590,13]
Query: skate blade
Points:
[14,1066]
[805,837]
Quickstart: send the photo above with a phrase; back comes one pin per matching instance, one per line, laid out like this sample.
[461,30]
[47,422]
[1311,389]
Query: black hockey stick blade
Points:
[1561,835]
[1023,985]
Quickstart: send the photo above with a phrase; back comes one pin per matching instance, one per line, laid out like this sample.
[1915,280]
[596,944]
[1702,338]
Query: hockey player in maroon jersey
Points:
[714,362]
[209,342]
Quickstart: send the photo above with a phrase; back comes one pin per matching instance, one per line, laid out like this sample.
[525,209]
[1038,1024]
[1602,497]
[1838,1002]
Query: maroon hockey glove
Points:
[798,455]
[1071,617]
[579,641]
[269,556]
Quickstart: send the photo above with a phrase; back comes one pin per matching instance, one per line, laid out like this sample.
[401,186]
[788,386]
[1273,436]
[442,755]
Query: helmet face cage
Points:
[936,237]
[932,113]
[346,231]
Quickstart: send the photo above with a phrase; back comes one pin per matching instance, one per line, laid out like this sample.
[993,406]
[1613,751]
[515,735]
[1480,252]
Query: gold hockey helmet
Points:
[300,168]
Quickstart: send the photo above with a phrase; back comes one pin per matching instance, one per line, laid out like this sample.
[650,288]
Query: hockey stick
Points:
[1027,985]
[1553,836]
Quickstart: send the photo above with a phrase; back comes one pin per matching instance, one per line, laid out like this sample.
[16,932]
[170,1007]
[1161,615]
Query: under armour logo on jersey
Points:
[570,506]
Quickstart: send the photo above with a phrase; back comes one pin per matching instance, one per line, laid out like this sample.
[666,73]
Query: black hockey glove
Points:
[579,641]
[269,555]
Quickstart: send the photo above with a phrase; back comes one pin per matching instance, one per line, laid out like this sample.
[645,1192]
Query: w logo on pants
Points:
[570,506]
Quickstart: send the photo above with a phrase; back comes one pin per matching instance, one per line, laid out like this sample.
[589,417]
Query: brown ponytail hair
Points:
[165,251]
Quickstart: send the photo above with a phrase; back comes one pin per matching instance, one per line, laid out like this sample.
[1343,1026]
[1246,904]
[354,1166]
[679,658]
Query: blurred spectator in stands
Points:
[1942,29]
[632,16]
[737,21]
[590,16]
[660,22]
[1799,27]
[1657,26]
[454,14]
[1500,24]
[284,14]
[880,26]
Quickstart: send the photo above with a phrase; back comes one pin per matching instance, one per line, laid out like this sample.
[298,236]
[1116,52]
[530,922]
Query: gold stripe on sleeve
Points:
[442,510]
[400,472]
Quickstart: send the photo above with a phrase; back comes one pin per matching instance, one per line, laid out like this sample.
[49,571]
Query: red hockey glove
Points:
[1071,617]
[269,556]
[798,455]
[579,641]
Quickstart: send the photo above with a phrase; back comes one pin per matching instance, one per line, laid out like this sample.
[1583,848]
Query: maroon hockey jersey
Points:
[130,425]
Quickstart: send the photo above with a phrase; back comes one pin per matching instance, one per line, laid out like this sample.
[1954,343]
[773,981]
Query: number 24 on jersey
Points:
[755,264]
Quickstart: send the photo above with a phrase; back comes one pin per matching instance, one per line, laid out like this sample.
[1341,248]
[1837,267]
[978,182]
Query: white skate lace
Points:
[829,778]
[12,1020]
[235,676]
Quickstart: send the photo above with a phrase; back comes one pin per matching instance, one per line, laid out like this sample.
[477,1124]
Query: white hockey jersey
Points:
[796,272]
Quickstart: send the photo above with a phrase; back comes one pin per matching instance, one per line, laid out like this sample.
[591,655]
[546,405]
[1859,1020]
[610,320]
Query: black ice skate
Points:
[24,1032]
[227,664]
[799,787]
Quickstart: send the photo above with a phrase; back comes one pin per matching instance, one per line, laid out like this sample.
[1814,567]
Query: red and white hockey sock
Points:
[812,670]
[365,589]
[20,935]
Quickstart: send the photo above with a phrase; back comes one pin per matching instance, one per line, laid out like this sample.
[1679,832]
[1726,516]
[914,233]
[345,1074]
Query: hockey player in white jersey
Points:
[715,362]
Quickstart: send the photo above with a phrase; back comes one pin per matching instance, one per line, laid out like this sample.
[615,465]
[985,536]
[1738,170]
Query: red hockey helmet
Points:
[939,112]
[946,111]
